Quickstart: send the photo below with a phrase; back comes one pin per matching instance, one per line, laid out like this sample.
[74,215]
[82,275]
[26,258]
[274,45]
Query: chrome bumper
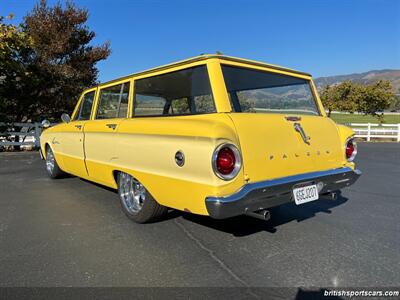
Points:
[269,193]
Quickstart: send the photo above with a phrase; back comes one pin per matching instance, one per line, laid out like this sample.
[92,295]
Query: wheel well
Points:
[115,175]
[46,146]
[116,172]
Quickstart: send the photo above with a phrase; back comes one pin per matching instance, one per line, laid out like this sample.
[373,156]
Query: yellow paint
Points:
[100,149]
[218,86]
[145,147]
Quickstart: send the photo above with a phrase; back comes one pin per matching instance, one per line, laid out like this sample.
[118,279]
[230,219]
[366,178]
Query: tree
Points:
[15,49]
[46,62]
[375,98]
[395,106]
[352,97]
[328,99]
[343,97]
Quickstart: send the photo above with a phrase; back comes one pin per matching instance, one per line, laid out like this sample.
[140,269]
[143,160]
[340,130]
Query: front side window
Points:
[177,93]
[86,106]
[265,92]
[113,102]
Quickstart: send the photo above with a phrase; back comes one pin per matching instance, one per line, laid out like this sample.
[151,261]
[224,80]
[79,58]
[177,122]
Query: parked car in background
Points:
[211,135]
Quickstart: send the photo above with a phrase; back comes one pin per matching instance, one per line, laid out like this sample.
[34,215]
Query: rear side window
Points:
[113,102]
[86,106]
[182,92]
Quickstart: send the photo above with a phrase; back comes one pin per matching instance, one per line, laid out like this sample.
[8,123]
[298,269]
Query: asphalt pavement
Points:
[70,232]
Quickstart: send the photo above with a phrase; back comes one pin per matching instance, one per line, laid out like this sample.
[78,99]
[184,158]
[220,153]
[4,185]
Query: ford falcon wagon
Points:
[211,135]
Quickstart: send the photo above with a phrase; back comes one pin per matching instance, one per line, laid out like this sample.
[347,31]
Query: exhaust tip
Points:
[331,195]
[262,214]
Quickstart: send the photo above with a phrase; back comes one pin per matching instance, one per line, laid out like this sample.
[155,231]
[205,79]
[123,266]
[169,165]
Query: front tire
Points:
[136,202]
[52,168]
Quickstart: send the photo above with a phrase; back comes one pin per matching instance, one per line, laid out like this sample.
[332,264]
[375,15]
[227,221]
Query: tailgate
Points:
[272,147]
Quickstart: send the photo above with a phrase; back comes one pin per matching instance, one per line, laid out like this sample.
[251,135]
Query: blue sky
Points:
[324,37]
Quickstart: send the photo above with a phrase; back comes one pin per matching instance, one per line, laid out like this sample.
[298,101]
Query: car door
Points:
[72,138]
[101,133]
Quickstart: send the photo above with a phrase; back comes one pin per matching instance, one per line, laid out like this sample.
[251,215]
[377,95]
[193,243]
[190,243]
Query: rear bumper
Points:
[265,194]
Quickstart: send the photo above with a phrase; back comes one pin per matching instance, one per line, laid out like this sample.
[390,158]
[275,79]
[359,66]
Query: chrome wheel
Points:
[50,161]
[132,193]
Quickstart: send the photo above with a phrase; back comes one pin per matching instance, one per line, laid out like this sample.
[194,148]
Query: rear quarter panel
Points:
[344,134]
[146,150]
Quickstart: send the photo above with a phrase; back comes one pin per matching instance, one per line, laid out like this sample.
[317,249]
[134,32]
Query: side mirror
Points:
[65,118]
[46,124]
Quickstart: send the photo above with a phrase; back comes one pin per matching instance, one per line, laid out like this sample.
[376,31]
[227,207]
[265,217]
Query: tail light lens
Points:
[351,149]
[226,161]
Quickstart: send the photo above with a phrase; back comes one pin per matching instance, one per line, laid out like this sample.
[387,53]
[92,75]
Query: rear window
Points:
[265,92]
[182,92]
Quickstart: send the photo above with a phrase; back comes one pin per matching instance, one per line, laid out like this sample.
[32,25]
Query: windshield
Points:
[265,92]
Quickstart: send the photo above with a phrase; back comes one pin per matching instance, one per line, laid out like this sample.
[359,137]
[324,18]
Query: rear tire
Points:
[53,170]
[136,202]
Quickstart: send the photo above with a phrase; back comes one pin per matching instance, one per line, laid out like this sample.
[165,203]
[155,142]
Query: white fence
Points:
[376,131]
[24,135]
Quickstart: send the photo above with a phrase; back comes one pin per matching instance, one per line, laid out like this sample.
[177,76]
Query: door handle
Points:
[78,126]
[112,126]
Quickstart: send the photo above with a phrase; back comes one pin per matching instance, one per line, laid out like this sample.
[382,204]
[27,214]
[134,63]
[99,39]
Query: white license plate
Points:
[305,194]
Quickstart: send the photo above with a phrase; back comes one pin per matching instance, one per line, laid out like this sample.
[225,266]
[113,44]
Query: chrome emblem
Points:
[300,130]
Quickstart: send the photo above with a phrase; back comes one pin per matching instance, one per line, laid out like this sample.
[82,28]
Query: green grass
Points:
[352,118]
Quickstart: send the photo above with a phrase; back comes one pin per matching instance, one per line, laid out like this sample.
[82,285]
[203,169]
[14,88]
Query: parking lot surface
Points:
[70,232]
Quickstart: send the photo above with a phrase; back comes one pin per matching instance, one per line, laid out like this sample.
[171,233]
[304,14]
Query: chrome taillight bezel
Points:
[353,155]
[238,161]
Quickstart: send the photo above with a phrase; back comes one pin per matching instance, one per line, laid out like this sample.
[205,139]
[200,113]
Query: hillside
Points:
[364,78]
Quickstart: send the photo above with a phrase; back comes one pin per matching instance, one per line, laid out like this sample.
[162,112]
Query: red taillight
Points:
[351,150]
[226,161]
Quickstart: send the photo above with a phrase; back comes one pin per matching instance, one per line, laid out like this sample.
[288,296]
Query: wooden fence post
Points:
[369,133]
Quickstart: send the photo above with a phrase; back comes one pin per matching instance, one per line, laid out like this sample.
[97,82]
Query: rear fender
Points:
[147,147]
[345,133]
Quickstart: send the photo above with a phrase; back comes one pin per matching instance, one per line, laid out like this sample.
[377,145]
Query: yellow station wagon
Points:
[211,135]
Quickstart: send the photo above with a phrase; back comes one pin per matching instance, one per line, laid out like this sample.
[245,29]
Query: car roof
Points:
[205,57]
